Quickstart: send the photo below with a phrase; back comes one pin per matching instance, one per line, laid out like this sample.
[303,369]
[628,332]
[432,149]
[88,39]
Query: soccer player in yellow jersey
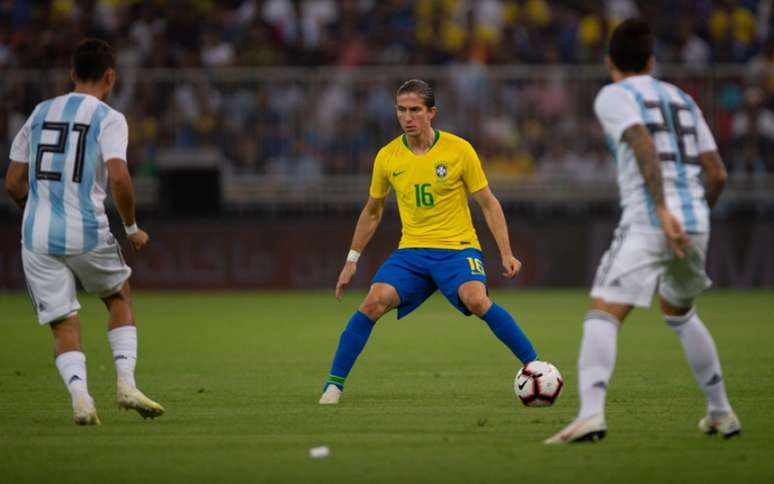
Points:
[432,172]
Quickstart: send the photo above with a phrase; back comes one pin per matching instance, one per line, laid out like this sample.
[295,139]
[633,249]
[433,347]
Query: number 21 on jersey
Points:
[62,130]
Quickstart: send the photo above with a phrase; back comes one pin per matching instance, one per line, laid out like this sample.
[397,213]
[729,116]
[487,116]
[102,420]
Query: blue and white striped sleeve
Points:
[20,149]
[114,136]
[616,110]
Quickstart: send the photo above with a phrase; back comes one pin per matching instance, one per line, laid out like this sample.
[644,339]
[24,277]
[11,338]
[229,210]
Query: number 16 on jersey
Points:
[476,266]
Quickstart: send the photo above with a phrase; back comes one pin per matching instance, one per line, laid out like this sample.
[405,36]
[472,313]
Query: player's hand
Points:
[346,275]
[138,239]
[512,266]
[674,232]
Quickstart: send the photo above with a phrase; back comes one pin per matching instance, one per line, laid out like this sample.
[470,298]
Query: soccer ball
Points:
[538,384]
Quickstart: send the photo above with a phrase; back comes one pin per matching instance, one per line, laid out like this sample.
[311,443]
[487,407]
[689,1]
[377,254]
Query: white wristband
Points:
[131,229]
[353,256]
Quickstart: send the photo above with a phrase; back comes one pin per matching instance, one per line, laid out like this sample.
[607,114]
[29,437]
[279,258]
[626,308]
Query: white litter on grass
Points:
[319,452]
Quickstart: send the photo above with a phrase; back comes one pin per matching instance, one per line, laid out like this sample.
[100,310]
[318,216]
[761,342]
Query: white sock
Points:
[123,342]
[72,367]
[703,357]
[596,361]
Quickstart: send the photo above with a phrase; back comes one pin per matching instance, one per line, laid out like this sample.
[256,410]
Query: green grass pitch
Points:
[430,400]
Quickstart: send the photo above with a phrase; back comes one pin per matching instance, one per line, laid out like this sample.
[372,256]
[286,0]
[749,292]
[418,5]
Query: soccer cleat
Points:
[590,429]
[331,395]
[84,411]
[728,425]
[132,398]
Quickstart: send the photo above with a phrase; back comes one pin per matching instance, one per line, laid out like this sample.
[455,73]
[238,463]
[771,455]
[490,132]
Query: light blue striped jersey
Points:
[680,134]
[66,142]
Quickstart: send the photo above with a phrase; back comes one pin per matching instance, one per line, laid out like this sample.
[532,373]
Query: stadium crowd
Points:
[333,123]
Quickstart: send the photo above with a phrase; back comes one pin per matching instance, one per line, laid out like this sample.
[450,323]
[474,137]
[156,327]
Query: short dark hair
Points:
[631,45]
[420,88]
[91,59]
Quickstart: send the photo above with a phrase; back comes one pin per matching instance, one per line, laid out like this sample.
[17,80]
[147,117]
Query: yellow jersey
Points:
[431,190]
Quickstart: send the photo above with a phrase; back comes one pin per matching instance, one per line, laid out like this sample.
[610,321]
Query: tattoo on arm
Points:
[641,142]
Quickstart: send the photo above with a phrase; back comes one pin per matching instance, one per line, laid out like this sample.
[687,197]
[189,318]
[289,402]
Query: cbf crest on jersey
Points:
[441,169]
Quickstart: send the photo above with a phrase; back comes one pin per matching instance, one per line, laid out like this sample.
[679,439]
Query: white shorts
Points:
[51,279]
[639,262]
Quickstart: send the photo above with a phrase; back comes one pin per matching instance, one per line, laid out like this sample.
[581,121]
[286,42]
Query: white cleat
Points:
[590,429]
[132,398]
[728,425]
[331,395]
[84,411]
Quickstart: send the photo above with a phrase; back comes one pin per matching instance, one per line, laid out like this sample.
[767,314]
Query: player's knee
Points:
[675,307]
[66,324]
[120,296]
[375,306]
[381,298]
[477,303]
[617,311]
[373,309]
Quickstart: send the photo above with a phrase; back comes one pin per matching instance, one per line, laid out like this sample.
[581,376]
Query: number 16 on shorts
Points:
[476,266]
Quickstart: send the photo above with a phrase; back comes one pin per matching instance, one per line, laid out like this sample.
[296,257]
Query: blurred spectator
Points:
[621,9]
[216,52]
[301,124]
[316,16]
[689,48]
[282,15]
[753,136]
[561,160]
[145,25]
[261,46]
[593,29]
[760,70]
[732,29]
[38,34]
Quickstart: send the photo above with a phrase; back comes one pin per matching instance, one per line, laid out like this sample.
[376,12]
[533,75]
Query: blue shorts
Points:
[417,273]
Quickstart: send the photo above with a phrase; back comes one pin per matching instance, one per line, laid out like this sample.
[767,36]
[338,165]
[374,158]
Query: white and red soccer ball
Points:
[538,384]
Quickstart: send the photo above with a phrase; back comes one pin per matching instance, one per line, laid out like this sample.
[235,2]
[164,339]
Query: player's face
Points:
[414,117]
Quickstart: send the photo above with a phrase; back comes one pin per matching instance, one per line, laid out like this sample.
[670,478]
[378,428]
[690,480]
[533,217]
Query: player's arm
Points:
[714,171]
[16,176]
[495,220]
[367,223]
[16,182]
[123,196]
[715,176]
[641,142]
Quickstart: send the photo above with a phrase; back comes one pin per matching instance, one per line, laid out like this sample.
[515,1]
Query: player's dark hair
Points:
[631,45]
[91,59]
[420,88]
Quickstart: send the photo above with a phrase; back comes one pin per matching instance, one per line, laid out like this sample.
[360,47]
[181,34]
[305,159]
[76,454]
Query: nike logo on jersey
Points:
[397,173]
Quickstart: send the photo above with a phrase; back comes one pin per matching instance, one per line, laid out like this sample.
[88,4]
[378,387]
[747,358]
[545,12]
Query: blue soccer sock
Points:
[351,343]
[505,328]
